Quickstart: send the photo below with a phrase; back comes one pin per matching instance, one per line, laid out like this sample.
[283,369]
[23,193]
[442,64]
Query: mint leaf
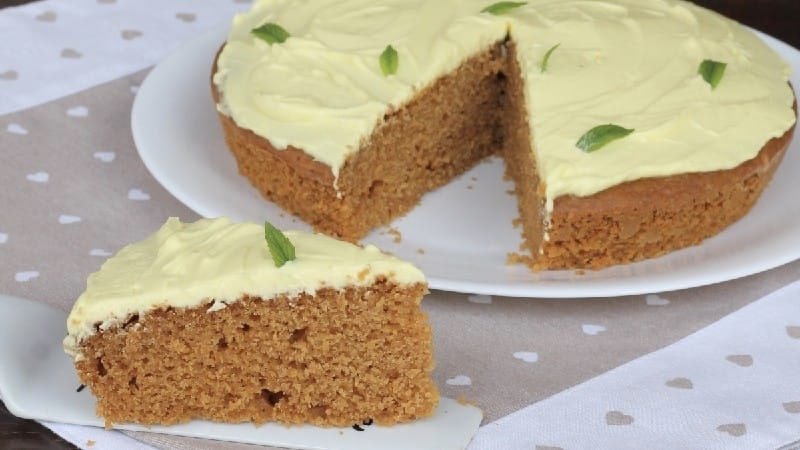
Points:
[279,245]
[547,56]
[712,72]
[271,33]
[389,60]
[502,7]
[601,135]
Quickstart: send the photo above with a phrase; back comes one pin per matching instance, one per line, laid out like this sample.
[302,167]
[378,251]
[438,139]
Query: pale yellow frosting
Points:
[628,62]
[185,265]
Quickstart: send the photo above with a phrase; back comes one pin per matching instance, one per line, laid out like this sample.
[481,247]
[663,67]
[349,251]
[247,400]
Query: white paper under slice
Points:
[38,381]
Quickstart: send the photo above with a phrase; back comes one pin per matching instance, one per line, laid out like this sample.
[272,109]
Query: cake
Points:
[631,128]
[198,321]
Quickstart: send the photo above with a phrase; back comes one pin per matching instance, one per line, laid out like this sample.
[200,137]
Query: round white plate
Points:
[460,234]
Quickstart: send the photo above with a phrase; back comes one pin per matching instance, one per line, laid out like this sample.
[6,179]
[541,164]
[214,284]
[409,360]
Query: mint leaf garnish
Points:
[389,61]
[601,135]
[712,71]
[279,245]
[502,7]
[547,56]
[271,33]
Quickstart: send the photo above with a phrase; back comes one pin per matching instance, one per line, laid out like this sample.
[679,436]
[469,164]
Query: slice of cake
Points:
[208,321]
[631,128]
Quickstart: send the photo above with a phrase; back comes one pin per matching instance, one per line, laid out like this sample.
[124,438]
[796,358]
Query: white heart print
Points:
[480,298]
[655,300]
[104,156]
[38,177]
[459,380]
[15,128]
[591,329]
[99,252]
[528,357]
[78,111]
[26,276]
[3,238]
[66,219]
[138,195]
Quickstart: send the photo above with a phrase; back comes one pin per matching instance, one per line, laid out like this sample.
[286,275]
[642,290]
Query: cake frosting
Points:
[628,62]
[185,265]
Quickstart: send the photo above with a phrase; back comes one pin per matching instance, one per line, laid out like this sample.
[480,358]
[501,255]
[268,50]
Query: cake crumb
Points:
[580,272]
[511,192]
[515,258]
[90,443]
[473,178]
[469,186]
[464,401]
[421,251]
[395,233]
[516,222]
[363,274]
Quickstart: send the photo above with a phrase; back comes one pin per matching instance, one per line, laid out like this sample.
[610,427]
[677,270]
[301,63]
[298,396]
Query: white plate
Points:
[38,381]
[465,233]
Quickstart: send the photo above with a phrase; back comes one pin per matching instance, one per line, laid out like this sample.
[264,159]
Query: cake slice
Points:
[207,321]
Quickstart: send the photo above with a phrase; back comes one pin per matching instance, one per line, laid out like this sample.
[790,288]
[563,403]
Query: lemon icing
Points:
[186,265]
[627,62]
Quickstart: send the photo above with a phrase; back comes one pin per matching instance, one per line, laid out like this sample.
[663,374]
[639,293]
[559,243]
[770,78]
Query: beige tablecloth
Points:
[73,191]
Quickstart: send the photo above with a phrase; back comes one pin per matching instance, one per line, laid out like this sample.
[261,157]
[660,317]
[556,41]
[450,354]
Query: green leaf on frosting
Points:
[547,56]
[279,245]
[389,61]
[601,135]
[271,33]
[712,71]
[502,7]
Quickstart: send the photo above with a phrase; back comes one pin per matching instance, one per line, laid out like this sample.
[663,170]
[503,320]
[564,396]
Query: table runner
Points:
[73,191]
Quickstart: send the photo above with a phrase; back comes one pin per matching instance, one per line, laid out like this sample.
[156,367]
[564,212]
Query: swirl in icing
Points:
[188,264]
[628,62]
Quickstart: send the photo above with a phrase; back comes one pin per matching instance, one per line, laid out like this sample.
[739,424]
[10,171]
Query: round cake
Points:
[631,128]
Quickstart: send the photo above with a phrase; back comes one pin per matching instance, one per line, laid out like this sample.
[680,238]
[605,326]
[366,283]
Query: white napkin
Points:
[55,48]
[91,438]
[732,385]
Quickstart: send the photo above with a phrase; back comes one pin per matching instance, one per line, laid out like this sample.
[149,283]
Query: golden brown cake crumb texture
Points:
[477,111]
[333,359]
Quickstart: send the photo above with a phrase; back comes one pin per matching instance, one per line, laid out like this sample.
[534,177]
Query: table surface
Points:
[775,17]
